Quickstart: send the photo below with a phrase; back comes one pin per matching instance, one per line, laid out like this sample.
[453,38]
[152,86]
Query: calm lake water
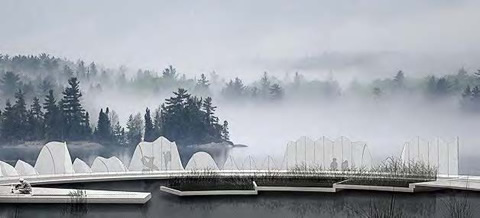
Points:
[265,205]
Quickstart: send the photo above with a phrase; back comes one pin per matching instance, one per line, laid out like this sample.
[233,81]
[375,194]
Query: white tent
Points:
[112,164]
[201,161]
[54,158]
[231,164]
[7,169]
[160,154]
[25,169]
[327,154]
[80,166]
[438,154]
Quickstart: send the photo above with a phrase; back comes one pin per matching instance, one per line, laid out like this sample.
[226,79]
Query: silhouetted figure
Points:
[148,164]
[167,158]
[334,164]
[24,187]
[345,165]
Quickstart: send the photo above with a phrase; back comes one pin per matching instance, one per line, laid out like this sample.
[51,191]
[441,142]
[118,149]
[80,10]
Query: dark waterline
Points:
[265,205]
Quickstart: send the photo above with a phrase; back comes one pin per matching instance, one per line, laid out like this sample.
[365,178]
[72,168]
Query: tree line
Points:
[36,75]
[183,118]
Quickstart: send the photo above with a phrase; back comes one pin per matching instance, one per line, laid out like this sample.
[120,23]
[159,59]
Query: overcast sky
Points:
[347,39]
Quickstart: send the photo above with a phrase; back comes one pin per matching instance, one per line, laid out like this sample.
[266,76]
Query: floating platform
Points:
[68,196]
[467,183]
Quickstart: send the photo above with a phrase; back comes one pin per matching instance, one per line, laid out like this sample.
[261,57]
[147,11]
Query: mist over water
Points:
[383,124]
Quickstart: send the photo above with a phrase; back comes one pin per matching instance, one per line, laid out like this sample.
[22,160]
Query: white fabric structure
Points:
[341,154]
[108,165]
[231,164]
[54,158]
[439,154]
[271,163]
[25,169]
[201,161]
[249,163]
[80,166]
[160,154]
[7,170]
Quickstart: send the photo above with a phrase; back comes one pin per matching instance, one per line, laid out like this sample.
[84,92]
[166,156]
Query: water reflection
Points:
[265,205]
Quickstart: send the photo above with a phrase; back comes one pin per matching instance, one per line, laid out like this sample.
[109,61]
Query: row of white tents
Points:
[163,155]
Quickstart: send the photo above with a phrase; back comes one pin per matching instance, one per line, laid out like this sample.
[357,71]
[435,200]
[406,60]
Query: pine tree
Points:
[10,83]
[103,132]
[149,130]
[234,88]
[53,118]
[225,131]
[8,122]
[134,129]
[276,92]
[158,122]
[35,120]
[119,134]
[265,85]
[209,109]
[87,129]
[202,86]
[190,120]
[73,110]
[20,125]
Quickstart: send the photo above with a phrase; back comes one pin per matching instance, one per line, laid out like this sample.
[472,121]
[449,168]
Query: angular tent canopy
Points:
[438,154]
[108,165]
[201,161]
[54,158]
[231,164]
[340,154]
[158,155]
[80,166]
[7,169]
[25,169]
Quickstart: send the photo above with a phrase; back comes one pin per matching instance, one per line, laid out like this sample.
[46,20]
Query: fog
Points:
[341,41]
[350,39]
[384,125]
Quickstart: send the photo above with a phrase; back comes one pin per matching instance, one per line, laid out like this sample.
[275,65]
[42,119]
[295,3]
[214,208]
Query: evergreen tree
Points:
[10,83]
[189,120]
[20,125]
[234,88]
[52,118]
[170,73]
[8,121]
[92,70]
[73,110]
[35,120]
[149,129]
[68,72]
[225,132]
[87,129]
[265,85]
[276,92]
[134,129]
[103,132]
[202,85]
[210,118]
[158,122]
[119,134]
